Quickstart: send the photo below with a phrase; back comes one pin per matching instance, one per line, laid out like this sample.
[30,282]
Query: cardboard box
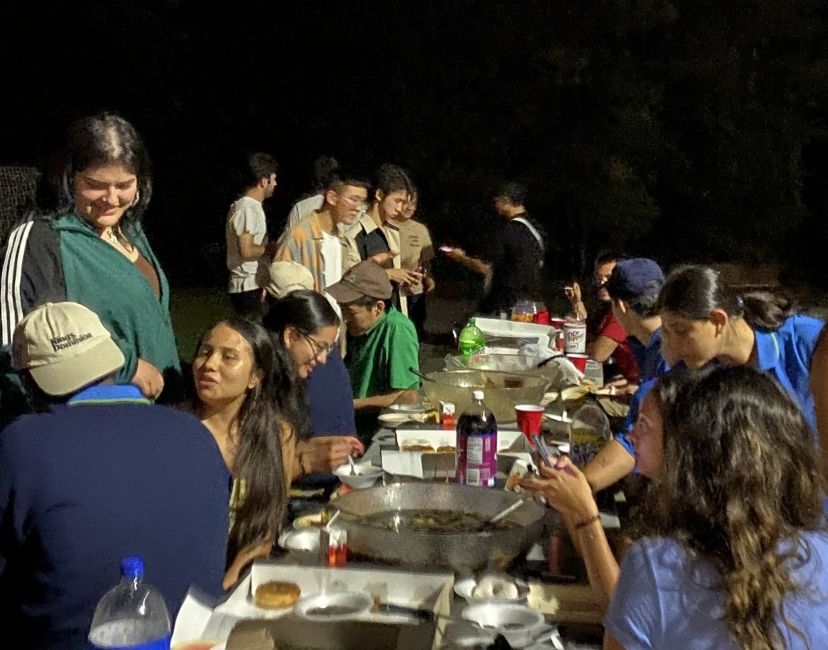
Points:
[433,592]
[430,465]
[495,327]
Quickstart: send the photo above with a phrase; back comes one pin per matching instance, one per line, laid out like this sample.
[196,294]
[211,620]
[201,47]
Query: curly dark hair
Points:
[739,487]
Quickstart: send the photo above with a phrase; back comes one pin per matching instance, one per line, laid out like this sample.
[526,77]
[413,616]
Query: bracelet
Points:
[587,522]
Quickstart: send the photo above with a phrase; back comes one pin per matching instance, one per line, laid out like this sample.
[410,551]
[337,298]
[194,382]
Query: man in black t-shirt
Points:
[514,271]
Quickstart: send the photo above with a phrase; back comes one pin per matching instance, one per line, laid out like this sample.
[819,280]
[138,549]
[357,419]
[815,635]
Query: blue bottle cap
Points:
[132,566]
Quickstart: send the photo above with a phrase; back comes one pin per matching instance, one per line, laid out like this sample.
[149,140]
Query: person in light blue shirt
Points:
[736,551]
[733,552]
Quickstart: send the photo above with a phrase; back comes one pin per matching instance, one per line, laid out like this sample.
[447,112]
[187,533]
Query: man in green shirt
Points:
[382,344]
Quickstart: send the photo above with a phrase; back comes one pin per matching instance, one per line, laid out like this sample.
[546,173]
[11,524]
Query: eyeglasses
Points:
[318,348]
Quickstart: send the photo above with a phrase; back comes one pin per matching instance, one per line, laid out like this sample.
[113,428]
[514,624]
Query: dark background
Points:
[682,131]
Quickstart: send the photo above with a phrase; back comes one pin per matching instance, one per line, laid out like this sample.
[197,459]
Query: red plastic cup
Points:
[529,418]
[541,317]
[556,322]
[578,360]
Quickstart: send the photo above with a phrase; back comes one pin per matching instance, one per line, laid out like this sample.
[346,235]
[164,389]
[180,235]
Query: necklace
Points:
[113,238]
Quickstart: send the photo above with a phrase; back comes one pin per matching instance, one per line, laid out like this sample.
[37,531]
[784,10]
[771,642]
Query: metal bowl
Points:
[461,552]
[502,390]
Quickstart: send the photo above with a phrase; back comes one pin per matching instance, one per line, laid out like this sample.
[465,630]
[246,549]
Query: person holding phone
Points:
[726,557]
[514,271]
[416,253]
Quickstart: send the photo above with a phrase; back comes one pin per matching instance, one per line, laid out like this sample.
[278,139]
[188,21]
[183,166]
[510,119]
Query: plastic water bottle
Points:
[132,615]
[471,340]
[476,446]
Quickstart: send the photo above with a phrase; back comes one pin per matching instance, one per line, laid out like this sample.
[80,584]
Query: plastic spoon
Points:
[511,508]
[353,466]
[420,375]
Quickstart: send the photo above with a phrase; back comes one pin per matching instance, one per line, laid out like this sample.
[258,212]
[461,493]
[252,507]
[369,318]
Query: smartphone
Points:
[543,451]
[446,249]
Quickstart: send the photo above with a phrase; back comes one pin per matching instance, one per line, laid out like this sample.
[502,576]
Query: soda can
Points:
[575,337]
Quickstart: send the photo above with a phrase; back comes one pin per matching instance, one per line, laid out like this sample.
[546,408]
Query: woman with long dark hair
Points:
[89,247]
[305,329]
[733,551]
[704,319]
[240,399]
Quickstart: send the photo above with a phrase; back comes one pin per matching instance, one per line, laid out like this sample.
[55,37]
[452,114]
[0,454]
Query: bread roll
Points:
[276,594]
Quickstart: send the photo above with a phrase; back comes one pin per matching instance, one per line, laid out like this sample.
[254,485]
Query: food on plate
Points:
[432,521]
[316,520]
[443,449]
[489,587]
[418,447]
[277,594]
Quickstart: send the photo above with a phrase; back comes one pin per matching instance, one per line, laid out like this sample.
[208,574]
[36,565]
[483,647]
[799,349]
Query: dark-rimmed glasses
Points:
[318,348]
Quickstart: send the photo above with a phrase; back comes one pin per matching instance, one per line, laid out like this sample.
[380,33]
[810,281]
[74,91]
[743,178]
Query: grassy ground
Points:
[193,310]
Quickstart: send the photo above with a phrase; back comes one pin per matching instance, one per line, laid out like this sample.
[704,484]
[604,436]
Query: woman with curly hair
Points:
[734,551]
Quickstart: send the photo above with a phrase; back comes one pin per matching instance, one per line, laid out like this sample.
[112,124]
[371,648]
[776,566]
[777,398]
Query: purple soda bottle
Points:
[476,445]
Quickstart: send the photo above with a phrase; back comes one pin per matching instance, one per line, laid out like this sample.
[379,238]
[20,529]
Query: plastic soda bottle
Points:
[476,446]
[471,340]
[132,615]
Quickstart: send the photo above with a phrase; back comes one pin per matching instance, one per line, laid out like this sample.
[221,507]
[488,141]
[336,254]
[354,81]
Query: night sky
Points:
[633,123]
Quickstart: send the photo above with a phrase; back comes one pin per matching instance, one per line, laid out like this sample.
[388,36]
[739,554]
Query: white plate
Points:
[249,609]
[394,419]
[303,540]
[408,408]
[312,607]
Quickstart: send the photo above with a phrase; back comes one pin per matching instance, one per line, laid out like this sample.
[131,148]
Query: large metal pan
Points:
[502,390]
[464,553]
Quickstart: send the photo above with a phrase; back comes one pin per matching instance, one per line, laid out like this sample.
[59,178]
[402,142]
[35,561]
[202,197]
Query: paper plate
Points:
[408,408]
[394,419]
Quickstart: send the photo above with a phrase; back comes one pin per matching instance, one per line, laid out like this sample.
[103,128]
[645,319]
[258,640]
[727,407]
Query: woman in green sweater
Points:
[90,248]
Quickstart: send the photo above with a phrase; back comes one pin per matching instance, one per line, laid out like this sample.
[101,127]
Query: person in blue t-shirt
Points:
[97,474]
[733,552]
[704,319]
[633,288]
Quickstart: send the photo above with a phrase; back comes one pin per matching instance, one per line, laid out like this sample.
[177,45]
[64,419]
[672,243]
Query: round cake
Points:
[276,594]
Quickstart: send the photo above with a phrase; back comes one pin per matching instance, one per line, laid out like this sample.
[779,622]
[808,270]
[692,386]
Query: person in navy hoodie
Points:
[98,473]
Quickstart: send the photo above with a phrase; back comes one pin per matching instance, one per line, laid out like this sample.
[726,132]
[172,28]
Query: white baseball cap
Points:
[65,347]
